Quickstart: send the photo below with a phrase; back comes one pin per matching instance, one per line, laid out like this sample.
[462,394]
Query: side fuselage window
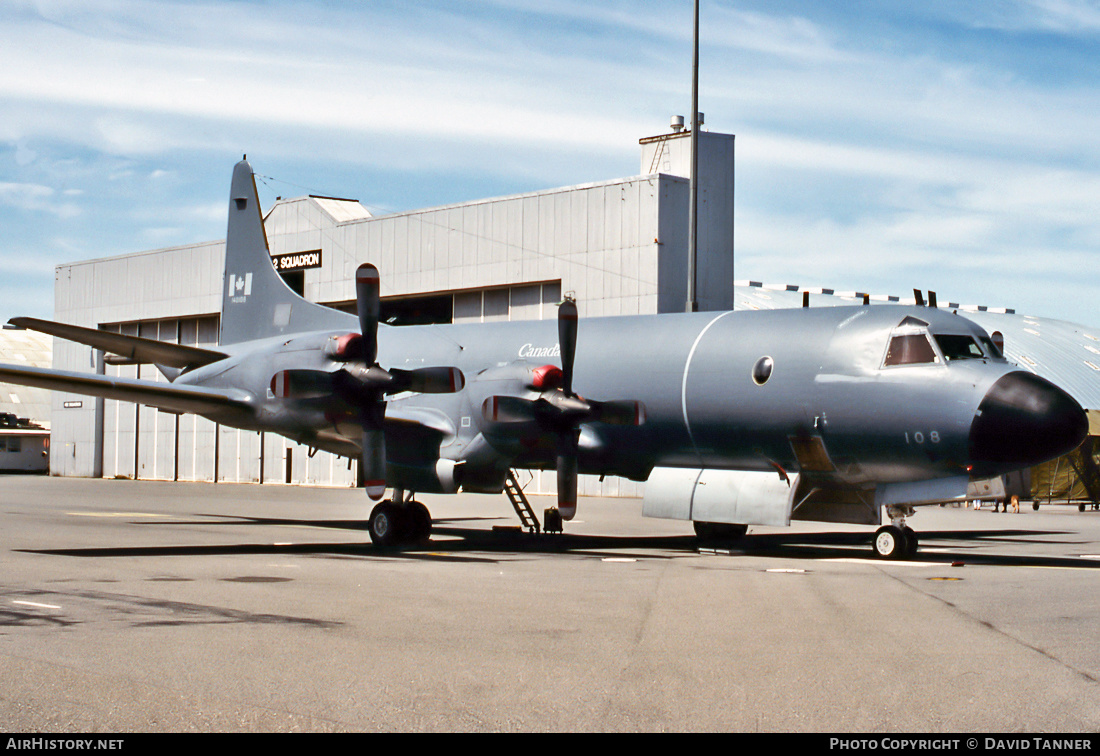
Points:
[910,349]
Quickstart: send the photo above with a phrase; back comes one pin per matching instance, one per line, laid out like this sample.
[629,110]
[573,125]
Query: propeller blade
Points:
[570,407]
[567,475]
[433,380]
[372,417]
[508,409]
[350,381]
[374,463]
[567,342]
[359,377]
[623,412]
[301,384]
[367,284]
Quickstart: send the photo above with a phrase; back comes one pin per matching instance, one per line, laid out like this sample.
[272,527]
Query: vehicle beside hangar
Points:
[25,410]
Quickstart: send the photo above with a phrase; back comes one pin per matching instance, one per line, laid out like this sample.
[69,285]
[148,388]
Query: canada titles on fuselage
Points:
[530,351]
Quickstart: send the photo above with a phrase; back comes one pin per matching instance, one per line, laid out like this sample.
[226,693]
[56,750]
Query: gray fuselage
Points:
[830,406]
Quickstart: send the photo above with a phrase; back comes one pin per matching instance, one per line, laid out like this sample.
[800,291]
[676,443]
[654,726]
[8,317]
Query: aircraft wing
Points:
[419,420]
[415,432]
[132,348]
[416,435]
[166,396]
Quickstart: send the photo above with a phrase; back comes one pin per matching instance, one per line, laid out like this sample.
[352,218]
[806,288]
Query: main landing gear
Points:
[719,533]
[896,540]
[400,521]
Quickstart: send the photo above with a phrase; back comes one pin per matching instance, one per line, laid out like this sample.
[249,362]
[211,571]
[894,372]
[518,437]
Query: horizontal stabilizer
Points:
[132,348]
[166,396]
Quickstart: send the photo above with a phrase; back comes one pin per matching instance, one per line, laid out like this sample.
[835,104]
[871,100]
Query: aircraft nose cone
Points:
[1022,421]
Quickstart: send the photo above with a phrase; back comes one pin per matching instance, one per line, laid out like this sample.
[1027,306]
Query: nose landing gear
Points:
[896,540]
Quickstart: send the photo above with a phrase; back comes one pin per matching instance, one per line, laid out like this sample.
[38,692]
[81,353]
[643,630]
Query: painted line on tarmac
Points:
[869,560]
[850,560]
[36,605]
[116,514]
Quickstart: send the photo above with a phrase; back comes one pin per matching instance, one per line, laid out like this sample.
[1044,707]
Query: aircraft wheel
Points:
[420,522]
[889,543]
[912,541]
[385,525]
[1035,505]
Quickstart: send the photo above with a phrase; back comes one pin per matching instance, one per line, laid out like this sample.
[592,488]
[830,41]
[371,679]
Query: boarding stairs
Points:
[520,503]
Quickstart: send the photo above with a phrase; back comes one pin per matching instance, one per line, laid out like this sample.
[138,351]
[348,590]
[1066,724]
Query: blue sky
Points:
[881,146]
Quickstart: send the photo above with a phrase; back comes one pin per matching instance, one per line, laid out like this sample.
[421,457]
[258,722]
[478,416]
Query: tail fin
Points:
[256,302]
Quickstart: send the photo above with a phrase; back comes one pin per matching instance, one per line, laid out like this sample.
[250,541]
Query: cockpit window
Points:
[991,347]
[910,349]
[958,347]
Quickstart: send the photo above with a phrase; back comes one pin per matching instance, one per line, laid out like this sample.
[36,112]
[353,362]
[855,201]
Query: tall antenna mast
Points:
[693,201]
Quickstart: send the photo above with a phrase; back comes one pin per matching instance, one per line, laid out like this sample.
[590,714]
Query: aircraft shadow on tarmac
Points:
[468,540]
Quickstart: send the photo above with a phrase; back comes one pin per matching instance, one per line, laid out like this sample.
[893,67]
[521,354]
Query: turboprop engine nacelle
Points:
[428,478]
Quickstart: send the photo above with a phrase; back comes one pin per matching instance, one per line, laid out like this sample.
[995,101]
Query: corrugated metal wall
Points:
[616,246]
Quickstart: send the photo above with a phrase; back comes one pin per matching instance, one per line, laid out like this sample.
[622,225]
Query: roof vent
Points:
[677,123]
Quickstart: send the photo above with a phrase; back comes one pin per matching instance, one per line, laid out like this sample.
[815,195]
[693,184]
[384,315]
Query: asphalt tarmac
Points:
[148,607]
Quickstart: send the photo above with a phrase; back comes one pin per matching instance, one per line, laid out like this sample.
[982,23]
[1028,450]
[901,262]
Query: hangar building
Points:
[617,246]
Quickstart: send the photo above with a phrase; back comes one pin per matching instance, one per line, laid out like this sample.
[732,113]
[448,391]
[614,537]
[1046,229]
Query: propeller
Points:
[372,408]
[572,409]
[561,412]
[362,383]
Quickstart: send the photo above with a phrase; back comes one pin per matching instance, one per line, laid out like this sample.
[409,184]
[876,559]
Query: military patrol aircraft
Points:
[733,418]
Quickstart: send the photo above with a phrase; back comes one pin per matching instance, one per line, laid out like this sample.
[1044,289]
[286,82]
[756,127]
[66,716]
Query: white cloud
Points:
[29,264]
[904,146]
[35,198]
[24,195]
[791,38]
[323,83]
[1065,16]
